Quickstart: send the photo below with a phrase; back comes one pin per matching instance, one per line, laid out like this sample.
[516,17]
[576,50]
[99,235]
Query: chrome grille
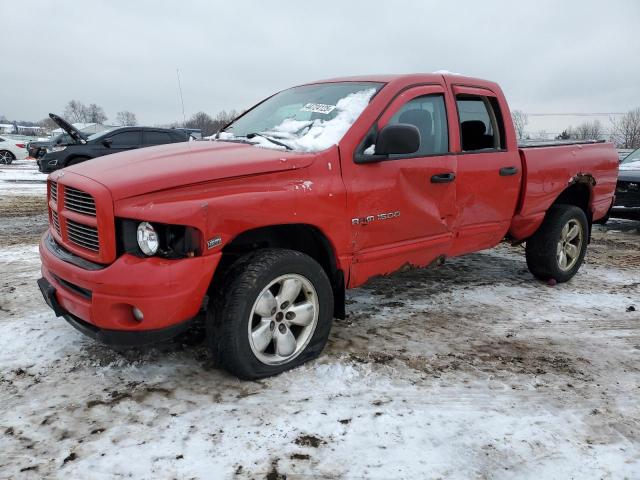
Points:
[79,201]
[84,236]
[56,222]
[54,191]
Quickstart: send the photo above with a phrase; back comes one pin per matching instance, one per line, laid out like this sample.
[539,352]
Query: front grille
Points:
[79,201]
[56,222]
[84,236]
[54,191]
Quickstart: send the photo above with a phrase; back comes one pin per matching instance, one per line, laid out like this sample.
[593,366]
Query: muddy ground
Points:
[468,370]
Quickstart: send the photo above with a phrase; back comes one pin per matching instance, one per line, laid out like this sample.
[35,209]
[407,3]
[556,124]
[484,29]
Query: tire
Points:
[249,286]
[6,157]
[556,237]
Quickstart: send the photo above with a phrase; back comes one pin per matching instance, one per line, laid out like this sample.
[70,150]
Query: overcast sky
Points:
[549,56]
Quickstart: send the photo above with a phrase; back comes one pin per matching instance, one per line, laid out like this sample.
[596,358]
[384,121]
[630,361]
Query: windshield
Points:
[632,158]
[100,134]
[309,118]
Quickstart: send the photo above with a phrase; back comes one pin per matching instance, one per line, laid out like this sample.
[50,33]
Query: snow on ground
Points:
[22,178]
[469,370]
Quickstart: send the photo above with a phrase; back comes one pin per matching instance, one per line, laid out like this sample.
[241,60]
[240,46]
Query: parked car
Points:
[194,133]
[11,150]
[624,153]
[39,148]
[627,204]
[319,188]
[83,147]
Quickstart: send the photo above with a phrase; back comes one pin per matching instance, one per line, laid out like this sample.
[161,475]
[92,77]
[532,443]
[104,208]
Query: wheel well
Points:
[578,194]
[301,237]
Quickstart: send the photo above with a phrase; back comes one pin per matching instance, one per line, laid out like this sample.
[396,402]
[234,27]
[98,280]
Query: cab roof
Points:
[403,80]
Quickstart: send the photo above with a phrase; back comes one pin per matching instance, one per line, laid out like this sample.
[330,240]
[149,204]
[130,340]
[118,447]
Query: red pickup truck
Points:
[314,190]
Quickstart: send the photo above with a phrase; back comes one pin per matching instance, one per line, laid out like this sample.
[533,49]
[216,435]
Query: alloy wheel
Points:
[569,245]
[283,319]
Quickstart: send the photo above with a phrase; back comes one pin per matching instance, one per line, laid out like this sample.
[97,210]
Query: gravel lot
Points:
[469,370]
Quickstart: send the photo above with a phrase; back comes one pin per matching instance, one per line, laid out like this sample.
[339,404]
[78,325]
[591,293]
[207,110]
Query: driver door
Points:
[402,208]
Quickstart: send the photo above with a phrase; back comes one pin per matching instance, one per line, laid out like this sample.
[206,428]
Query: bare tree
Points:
[626,130]
[202,121]
[206,123]
[78,112]
[126,118]
[48,124]
[520,121]
[223,118]
[586,131]
[95,114]
[75,111]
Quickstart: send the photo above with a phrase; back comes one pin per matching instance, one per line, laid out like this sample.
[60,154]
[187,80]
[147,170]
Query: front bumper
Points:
[98,299]
[48,163]
[121,338]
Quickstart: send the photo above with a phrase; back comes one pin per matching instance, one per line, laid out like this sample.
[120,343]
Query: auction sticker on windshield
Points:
[318,108]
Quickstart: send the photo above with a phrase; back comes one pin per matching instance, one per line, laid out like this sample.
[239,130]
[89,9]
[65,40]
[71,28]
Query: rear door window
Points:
[481,126]
[156,138]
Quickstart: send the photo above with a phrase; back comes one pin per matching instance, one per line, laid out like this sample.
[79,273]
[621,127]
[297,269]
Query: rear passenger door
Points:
[488,175]
[151,138]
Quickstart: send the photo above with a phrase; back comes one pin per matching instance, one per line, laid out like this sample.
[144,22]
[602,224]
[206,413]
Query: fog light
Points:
[137,314]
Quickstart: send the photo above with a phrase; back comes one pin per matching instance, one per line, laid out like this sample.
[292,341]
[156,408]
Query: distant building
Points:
[22,129]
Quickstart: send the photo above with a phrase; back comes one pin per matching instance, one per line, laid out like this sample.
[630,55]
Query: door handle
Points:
[443,177]
[507,171]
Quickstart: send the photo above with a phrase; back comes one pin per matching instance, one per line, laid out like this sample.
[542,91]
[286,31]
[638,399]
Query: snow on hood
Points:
[313,135]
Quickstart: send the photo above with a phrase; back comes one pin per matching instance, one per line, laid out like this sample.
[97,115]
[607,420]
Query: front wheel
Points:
[557,249]
[6,157]
[273,312]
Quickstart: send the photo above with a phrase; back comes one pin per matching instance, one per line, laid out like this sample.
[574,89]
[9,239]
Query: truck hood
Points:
[147,170]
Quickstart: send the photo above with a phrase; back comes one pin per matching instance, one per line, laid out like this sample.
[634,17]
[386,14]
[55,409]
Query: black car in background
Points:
[83,147]
[627,203]
[38,148]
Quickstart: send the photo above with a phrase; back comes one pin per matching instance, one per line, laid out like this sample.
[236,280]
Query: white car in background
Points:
[11,150]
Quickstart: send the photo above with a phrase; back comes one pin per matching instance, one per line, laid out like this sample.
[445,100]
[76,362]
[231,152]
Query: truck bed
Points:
[549,168]
[554,143]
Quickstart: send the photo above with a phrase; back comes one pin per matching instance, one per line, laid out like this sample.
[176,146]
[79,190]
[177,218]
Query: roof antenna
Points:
[184,117]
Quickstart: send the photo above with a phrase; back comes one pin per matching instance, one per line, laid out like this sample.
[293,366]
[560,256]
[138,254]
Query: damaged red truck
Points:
[312,191]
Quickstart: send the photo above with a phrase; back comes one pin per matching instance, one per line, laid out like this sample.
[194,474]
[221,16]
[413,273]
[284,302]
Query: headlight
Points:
[58,148]
[147,238]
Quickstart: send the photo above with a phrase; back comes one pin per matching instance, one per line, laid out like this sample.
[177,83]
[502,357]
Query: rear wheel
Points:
[272,313]
[556,251]
[6,157]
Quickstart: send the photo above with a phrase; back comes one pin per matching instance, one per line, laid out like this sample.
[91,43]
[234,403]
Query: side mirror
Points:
[397,139]
[107,142]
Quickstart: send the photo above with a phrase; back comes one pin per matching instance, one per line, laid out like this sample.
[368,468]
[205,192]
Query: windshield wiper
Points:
[276,142]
